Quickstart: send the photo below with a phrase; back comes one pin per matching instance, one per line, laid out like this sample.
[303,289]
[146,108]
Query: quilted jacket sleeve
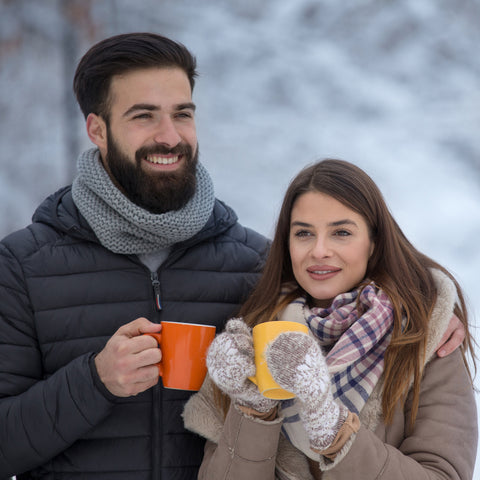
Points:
[40,415]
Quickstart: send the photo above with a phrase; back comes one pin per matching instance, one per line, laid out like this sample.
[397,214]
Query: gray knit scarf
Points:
[123,227]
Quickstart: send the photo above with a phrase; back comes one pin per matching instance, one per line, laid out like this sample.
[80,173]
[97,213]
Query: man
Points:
[139,238]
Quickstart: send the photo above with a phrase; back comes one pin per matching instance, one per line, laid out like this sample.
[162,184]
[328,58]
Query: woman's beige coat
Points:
[442,445]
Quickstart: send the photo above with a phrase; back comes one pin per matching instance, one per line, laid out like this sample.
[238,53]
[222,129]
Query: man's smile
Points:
[162,160]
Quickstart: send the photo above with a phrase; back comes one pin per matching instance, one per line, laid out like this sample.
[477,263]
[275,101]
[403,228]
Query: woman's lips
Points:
[322,272]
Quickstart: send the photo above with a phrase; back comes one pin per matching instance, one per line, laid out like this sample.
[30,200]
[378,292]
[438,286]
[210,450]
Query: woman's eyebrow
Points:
[336,223]
[300,224]
[346,221]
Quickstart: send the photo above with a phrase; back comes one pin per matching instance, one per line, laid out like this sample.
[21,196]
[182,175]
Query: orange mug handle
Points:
[158,338]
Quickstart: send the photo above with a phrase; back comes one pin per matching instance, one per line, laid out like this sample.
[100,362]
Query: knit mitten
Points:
[230,361]
[298,365]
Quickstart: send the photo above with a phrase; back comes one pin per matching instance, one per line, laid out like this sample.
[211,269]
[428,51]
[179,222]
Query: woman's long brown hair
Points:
[396,266]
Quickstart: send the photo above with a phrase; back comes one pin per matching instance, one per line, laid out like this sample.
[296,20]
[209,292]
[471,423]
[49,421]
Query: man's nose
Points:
[166,133]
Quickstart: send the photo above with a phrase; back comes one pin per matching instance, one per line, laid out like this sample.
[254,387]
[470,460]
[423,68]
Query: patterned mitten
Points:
[230,361]
[298,365]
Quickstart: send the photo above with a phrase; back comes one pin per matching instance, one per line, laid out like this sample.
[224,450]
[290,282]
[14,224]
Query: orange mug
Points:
[184,351]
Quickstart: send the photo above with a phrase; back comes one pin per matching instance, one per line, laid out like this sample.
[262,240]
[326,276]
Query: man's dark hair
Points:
[121,54]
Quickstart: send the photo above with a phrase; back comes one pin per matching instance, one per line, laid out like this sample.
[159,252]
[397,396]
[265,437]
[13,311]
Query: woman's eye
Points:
[302,233]
[342,233]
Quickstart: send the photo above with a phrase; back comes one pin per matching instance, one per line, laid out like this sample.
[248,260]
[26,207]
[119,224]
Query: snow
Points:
[390,86]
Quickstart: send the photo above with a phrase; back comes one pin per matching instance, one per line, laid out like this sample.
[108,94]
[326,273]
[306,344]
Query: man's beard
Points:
[157,193]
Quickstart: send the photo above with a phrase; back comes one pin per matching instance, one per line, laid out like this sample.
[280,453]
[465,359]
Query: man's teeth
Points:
[162,160]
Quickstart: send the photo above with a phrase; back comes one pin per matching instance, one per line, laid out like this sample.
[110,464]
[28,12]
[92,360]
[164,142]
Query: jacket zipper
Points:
[157,433]
[156,290]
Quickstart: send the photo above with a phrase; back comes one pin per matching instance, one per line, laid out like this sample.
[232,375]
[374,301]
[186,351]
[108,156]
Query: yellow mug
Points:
[263,334]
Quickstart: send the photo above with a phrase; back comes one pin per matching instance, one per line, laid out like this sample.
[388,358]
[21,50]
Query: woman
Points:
[372,400]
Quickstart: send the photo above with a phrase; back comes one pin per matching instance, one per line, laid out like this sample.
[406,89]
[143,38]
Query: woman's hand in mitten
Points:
[298,365]
[230,361]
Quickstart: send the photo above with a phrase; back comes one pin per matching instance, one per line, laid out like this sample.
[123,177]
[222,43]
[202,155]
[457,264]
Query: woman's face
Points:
[329,245]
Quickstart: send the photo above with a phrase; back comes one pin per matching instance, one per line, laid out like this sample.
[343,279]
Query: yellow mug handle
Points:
[253,380]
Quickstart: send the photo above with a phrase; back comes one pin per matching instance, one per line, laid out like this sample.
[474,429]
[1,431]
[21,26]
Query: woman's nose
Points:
[321,248]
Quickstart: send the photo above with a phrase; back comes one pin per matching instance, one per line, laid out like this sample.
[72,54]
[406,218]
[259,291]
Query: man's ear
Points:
[97,131]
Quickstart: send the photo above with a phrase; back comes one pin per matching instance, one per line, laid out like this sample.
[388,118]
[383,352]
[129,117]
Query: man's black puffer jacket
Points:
[62,295]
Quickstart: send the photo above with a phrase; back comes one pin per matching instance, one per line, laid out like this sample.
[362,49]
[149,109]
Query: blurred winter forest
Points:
[392,86]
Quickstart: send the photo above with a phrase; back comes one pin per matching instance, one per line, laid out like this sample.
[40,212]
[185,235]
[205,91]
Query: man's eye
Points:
[142,116]
[184,115]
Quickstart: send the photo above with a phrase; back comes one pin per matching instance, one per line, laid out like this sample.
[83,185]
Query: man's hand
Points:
[452,338]
[127,364]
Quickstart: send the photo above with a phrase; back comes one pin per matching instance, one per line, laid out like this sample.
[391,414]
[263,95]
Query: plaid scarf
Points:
[354,332]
